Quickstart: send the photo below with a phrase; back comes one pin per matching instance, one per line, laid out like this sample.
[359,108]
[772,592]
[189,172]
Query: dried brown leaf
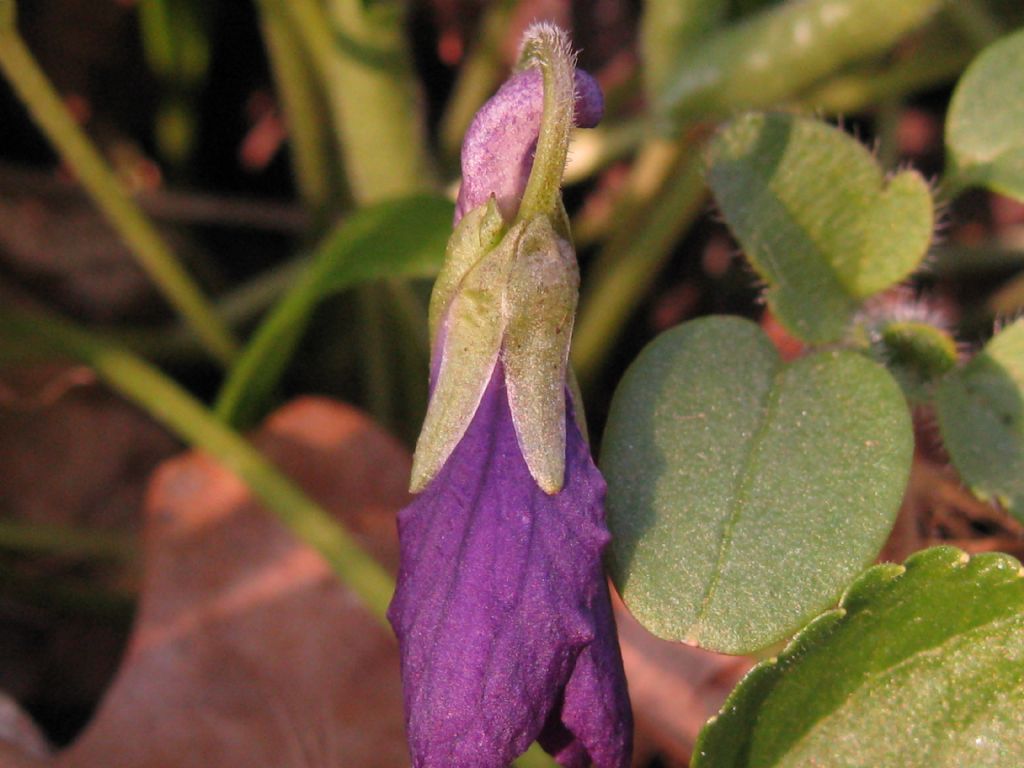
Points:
[247,651]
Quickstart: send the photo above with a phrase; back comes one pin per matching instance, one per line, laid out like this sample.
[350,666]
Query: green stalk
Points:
[478,76]
[629,264]
[360,54]
[65,541]
[785,49]
[68,596]
[176,409]
[235,308]
[252,380]
[379,377]
[667,29]
[383,129]
[152,252]
[976,20]
[858,90]
[315,164]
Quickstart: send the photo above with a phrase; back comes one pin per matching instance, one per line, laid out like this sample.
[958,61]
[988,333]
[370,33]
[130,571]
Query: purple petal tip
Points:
[497,153]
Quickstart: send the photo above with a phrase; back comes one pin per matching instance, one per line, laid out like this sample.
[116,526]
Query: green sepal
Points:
[472,342]
[478,232]
[916,353]
[540,303]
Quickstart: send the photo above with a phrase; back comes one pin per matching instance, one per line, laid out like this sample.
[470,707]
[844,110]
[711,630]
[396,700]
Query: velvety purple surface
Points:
[502,609]
[497,153]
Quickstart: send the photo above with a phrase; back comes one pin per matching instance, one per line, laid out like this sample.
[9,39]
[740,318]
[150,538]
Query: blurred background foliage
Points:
[216,205]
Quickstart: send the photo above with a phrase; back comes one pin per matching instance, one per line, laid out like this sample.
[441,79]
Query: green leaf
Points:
[921,666]
[744,493]
[984,133]
[817,218]
[400,238]
[981,415]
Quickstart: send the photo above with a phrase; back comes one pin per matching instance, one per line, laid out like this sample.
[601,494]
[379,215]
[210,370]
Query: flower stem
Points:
[176,409]
[548,48]
[153,254]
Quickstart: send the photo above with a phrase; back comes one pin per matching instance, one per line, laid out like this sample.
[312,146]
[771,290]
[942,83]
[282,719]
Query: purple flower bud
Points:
[502,609]
[497,153]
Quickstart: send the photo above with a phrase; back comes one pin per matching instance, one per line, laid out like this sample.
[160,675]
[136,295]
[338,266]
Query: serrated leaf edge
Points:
[858,595]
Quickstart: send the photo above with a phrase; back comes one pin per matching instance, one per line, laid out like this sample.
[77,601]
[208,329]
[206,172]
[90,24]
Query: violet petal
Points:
[502,609]
[497,152]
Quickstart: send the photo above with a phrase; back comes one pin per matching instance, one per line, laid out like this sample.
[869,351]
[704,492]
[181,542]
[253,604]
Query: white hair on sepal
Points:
[903,304]
[544,34]
[541,35]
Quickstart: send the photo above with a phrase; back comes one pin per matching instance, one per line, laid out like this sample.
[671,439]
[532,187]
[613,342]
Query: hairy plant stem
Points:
[176,409]
[152,252]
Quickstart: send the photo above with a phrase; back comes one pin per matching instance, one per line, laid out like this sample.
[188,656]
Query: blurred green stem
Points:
[783,50]
[976,20]
[166,402]
[360,54]
[314,160]
[235,308]
[629,263]
[478,76]
[379,383]
[929,68]
[668,28]
[252,380]
[64,540]
[152,252]
[887,125]
[68,596]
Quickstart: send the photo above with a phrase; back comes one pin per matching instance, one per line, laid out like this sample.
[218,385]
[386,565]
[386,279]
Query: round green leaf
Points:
[981,415]
[983,128]
[921,666]
[744,493]
[816,217]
